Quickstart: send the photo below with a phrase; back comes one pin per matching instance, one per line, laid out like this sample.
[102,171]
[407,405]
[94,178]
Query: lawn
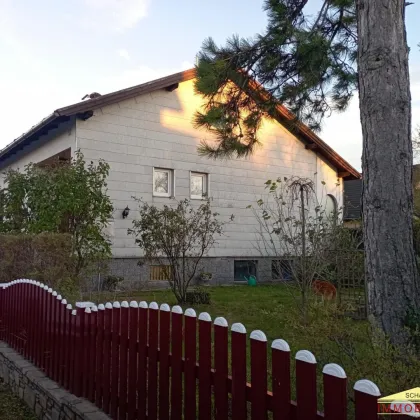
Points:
[331,336]
[12,408]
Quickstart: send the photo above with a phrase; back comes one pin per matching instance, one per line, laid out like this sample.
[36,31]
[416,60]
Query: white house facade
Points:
[146,135]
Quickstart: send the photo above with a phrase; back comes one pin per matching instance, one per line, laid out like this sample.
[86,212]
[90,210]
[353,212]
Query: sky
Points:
[52,53]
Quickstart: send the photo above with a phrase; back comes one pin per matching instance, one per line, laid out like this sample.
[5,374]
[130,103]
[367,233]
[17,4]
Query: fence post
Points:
[258,375]
[79,353]
[49,341]
[176,363]
[142,366]
[62,348]
[164,374]
[106,384]
[115,358]
[55,336]
[238,353]
[31,316]
[152,371]
[306,392]
[190,407]
[221,368]
[100,342]
[73,386]
[122,413]
[204,373]
[132,361]
[335,392]
[92,353]
[68,349]
[366,395]
[38,324]
[280,359]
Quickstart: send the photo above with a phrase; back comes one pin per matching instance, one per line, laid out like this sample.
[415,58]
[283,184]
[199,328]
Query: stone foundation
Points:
[222,268]
[42,395]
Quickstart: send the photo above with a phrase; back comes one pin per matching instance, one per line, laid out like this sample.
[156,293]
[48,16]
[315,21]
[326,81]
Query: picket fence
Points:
[138,361]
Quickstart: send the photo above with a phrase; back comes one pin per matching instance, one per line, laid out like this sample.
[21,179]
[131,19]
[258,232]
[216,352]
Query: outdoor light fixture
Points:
[125,212]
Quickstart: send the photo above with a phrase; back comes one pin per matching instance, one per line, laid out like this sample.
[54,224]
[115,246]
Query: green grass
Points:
[12,408]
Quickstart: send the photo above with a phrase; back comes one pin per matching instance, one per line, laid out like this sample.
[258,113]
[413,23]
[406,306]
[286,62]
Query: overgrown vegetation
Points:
[46,257]
[64,198]
[178,236]
[12,407]
[305,242]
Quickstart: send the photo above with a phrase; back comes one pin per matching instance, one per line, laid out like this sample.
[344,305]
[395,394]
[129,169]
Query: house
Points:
[146,135]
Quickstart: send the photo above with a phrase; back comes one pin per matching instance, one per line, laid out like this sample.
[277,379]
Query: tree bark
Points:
[387,197]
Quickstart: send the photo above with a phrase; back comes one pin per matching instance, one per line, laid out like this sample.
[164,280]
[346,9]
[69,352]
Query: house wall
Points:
[155,130]
[60,139]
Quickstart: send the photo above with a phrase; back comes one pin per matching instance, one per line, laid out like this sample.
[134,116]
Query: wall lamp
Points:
[125,212]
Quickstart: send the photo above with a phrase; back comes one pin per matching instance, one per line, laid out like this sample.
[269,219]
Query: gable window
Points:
[163,182]
[198,185]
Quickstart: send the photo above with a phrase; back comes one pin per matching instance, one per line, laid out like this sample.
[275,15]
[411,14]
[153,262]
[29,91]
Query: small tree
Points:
[66,198]
[293,225]
[179,237]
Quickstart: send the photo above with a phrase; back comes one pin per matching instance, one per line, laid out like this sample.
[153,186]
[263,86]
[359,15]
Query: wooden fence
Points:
[138,361]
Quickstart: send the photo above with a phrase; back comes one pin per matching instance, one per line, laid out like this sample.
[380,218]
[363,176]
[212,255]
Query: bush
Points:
[46,257]
[198,296]
[111,283]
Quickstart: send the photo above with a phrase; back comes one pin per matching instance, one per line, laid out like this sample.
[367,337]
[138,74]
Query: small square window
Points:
[244,269]
[159,272]
[162,182]
[282,270]
[198,185]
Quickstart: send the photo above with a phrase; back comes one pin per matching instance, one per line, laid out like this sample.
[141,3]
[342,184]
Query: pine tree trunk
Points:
[387,199]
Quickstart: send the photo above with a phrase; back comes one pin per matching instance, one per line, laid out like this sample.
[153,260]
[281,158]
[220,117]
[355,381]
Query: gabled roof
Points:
[84,110]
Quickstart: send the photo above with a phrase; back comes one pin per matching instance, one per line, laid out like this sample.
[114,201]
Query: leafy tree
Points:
[313,65]
[64,198]
[178,237]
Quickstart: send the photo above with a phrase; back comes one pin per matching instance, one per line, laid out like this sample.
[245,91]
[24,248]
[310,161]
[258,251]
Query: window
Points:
[198,185]
[331,208]
[244,268]
[162,182]
[159,272]
[281,270]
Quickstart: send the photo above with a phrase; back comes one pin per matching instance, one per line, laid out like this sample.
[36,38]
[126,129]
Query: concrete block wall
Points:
[42,395]
[138,276]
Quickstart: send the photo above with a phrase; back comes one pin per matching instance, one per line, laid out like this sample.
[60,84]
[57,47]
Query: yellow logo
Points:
[405,402]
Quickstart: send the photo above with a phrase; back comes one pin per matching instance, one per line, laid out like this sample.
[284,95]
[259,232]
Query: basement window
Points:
[243,269]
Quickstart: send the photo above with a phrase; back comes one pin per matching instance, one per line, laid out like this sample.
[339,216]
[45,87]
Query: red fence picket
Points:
[204,372]
[138,361]
[123,372]
[132,361]
[221,368]
[164,372]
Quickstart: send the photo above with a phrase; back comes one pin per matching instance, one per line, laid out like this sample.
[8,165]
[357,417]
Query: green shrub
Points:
[46,257]
[111,283]
[198,296]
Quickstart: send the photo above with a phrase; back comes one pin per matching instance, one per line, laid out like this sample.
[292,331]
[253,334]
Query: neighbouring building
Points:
[146,135]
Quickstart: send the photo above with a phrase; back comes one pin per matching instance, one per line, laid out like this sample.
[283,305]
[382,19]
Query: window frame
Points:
[170,173]
[205,177]
[249,262]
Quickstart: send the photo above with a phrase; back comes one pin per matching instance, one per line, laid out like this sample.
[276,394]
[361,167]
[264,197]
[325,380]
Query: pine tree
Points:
[314,65]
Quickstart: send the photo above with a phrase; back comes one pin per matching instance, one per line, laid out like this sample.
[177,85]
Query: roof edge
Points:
[282,115]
